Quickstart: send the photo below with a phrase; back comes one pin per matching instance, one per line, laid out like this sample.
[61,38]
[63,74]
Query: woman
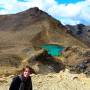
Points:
[23,81]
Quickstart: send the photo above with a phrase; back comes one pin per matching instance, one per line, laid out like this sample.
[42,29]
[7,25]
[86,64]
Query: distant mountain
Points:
[81,32]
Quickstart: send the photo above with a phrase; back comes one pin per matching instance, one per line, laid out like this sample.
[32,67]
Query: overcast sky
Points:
[67,11]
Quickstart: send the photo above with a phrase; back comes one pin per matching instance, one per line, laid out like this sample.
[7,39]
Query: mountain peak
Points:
[27,18]
[34,12]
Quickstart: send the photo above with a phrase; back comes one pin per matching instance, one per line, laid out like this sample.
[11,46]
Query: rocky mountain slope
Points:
[22,33]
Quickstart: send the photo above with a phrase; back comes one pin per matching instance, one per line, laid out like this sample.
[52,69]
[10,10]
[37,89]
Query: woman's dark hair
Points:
[26,67]
[30,69]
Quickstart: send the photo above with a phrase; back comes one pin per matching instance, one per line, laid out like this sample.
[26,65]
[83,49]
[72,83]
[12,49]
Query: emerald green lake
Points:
[53,49]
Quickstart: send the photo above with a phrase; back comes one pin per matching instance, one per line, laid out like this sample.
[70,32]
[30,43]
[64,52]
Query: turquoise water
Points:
[53,49]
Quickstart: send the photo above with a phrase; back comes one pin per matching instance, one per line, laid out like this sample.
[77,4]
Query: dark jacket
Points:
[19,83]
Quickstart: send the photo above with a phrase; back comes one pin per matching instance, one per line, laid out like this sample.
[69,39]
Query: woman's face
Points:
[26,72]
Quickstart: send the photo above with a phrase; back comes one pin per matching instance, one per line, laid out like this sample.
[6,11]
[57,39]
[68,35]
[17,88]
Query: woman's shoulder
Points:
[16,78]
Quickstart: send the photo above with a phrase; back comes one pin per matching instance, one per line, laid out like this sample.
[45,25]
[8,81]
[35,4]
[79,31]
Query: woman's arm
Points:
[15,84]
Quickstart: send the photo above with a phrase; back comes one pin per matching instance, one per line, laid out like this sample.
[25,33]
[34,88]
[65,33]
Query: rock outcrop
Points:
[77,59]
